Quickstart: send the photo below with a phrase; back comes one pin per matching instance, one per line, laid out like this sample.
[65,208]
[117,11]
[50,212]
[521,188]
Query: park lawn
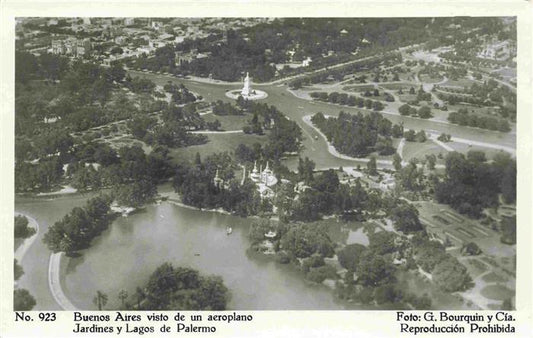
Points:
[395,142]
[407,76]
[407,97]
[229,122]
[358,88]
[216,143]
[497,292]
[465,148]
[494,278]
[428,79]
[419,286]
[506,72]
[397,86]
[420,150]
[480,111]
[475,268]
[463,82]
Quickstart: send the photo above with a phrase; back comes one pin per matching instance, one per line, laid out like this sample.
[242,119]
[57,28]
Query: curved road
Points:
[54,282]
[334,152]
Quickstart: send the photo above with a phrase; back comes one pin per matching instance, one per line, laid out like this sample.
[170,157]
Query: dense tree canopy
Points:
[179,288]
[354,135]
[472,184]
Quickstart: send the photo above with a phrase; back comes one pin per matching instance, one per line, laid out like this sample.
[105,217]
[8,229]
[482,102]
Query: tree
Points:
[429,254]
[397,162]
[170,288]
[18,271]
[444,137]
[507,304]
[424,112]
[382,242]
[22,230]
[139,295]
[23,300]
[385,294]
[122,295]
[405,218]
[476,156]
[409,135]
[305,170]
[508,228]
[450,275]
[421,136]
[372,166]
[431,161]
[374,269]
[508,183]
[471,249]
[405,109]
[350,255]
[100,300]
[136,194]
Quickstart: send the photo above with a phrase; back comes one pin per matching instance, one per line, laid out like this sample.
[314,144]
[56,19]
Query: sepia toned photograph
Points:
[247,163]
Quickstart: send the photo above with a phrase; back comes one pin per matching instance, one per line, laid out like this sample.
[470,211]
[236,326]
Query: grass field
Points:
[497,292]
[493,278]
[397,86]
[420,150]
[428,79]
[407,97]
[229,122]
[465,148]
[358,89]
[458,83]
[216,143]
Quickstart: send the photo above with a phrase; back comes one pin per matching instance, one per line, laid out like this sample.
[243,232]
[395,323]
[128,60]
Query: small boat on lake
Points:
[229,230]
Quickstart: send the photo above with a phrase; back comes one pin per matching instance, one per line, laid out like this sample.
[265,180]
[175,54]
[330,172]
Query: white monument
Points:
[247,92]
[247,89]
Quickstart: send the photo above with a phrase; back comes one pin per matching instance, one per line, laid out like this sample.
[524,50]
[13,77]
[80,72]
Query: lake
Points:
[125,255]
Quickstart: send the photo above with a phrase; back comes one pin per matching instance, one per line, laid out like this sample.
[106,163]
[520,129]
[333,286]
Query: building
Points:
[71,47]
[499,50]
[129,21]
[58,47]
[217,181]
[157,25]
[264,179]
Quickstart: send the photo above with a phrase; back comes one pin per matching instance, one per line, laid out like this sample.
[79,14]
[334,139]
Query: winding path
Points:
[54,282]
[216,132]
[334,152]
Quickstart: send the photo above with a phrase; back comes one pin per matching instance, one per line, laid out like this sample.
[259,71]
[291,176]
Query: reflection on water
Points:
[125,255]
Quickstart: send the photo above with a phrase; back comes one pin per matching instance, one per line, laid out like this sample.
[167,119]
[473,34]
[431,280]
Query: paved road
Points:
[54,282]
[295,108]
[216,132]
[380,163]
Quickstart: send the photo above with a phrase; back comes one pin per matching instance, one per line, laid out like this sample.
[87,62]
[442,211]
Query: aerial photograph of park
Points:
[260,163]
